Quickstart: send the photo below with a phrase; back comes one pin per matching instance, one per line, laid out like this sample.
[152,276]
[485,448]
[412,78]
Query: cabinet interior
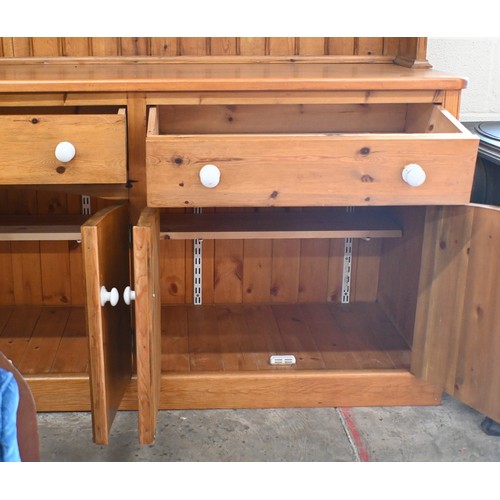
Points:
[261,296]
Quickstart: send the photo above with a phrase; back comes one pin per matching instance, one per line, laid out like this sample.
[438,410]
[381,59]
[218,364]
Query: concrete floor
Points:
[447,433]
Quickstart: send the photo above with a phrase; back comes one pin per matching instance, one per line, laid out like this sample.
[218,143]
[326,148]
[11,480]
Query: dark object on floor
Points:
[490,427]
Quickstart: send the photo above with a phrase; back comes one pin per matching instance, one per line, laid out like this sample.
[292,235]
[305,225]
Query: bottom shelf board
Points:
[44,340]
[236,338]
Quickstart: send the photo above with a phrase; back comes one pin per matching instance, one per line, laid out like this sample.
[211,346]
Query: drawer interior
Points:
[301,119]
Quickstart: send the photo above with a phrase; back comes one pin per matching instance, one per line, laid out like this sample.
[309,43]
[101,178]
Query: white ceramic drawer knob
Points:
[128,295]
[112,296]
[414,175]
[65,151]
[210,176]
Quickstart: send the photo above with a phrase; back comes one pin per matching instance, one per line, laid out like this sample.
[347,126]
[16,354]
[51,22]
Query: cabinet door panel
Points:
[477,380]
[457,334]
[147,320]
[105,247]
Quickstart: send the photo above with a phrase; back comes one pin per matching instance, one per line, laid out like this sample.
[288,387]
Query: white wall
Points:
[477,59]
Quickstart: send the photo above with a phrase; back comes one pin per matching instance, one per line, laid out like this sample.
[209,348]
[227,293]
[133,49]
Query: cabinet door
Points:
[105,244]
[147,320]
[457,338]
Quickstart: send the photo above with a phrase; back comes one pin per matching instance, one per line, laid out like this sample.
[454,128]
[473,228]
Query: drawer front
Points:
[29,142]
[310,170]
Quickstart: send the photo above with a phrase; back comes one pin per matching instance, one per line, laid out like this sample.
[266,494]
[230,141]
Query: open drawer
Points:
[307,155]
[60,148]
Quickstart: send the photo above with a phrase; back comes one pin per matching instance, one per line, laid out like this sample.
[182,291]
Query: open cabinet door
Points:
[147,320]
[457,337]
[105,248]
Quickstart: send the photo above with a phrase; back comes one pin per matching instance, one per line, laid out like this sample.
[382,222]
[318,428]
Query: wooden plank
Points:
[295,389]
[282,46]
[228,271]
[204,342]
[76,273]
[44,341]
[318,223]
[311,46]
[105,46]
[72,353]
[341,46]
[313,277]
[99,141]
[136,151]
[76,46]
[330,337]
[26,272]
[368,170]
[235,339]
[477,379]
[285,118]
[369,45]
[172,257]
[134,46]
[257,270]
[174,340]
[365,269]
[357,336]
[147,320]
[105,247]
[223,46]
[164,46]
[55,268]
[266,338]
[285,268]
[297,337]
[255,46]
[445,256]
[16,333]
[399,282]
[335,270]
[6,278]
[193,46]
[46,46]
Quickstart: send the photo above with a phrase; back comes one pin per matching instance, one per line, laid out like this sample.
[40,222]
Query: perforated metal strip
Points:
[197,267]
[346,272]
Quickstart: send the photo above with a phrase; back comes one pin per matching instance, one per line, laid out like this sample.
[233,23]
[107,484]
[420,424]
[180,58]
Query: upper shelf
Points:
[311,223]
[119,75]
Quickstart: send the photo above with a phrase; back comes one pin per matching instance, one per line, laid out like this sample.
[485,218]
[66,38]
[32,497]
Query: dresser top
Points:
[80,75]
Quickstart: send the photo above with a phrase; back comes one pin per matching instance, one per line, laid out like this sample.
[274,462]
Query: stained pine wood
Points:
[371,178]
[439,313]
[156,76]
[315,223]
[147,320]
[477,379]
[28,155]
[409,51]
[105,246]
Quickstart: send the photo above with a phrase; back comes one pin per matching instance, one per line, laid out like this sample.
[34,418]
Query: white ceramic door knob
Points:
[65,152]
[112,296]
[128,295]
[414,175]
[210,176]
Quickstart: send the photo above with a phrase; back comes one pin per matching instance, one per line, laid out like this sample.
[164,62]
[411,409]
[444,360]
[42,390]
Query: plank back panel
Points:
[362,47]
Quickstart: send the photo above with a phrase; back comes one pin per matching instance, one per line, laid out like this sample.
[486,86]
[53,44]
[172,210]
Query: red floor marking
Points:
[355,435]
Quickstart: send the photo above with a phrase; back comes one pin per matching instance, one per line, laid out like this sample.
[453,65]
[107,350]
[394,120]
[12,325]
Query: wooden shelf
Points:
[322,223]
[41,228]
[241,338]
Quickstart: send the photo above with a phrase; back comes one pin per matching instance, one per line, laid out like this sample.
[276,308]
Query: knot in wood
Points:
[367,178]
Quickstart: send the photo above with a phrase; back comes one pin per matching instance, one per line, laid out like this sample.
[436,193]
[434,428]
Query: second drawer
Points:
[288,155]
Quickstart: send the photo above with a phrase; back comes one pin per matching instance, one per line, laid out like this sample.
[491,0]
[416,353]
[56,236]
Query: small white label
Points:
[284,359]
